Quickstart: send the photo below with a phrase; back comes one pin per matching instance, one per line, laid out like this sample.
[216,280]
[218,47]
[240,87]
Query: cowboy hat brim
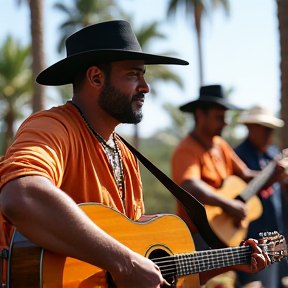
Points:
[64,71]
[264,120]
[191,106]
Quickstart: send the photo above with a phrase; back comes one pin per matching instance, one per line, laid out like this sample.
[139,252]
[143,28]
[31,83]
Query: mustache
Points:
[138,96]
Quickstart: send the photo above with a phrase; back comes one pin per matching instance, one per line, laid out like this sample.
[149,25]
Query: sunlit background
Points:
[240,51]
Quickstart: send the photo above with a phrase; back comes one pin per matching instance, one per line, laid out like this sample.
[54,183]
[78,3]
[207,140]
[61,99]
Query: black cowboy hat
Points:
[99,43]
[211,94]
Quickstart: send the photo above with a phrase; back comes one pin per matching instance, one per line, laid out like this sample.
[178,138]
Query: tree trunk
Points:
[198,13]
[38,64]
[283,31]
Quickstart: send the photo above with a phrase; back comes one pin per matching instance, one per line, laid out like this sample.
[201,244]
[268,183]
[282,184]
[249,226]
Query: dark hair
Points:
[80,76]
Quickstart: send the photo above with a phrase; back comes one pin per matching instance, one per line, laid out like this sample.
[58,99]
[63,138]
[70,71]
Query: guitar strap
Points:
[194,208]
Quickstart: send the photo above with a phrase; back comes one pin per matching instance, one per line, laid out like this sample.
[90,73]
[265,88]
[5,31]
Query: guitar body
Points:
[31,266]
[222,224]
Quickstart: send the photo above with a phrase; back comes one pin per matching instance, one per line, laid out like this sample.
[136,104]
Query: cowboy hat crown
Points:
[260,115]
[211,94]
[99,43]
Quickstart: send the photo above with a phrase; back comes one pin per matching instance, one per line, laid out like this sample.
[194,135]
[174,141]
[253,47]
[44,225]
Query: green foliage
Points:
[65,92]
[81,13]
[188,6]
[2,144]
[155,73]
[15,85]
[157,198]
[182,123]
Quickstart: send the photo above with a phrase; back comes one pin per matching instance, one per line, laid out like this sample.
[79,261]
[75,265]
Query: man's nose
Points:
[144,87]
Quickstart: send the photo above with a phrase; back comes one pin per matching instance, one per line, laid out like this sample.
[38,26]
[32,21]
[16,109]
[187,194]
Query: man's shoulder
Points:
[56,120]
[247,152]
[240,146]
[55,110]
[59,113]
[186,145]
[218,140]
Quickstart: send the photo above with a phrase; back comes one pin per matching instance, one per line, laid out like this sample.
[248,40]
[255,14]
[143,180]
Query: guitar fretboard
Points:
[257,183]
[194,263]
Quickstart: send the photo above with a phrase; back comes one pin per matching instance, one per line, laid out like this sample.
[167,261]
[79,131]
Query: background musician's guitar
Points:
[234,187]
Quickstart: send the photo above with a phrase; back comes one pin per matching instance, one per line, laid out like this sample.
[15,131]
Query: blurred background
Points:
[240,44]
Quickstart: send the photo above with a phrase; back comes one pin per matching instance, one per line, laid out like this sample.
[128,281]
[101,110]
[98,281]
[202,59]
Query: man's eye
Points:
[134,74]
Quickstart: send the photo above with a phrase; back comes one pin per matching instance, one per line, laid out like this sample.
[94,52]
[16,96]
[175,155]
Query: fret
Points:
[193,263]
[217,259]
[186,264]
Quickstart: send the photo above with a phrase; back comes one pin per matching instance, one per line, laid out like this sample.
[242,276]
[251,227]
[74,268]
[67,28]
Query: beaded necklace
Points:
[113,154]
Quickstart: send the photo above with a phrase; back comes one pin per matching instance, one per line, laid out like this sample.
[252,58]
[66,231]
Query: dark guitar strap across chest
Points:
[194,208]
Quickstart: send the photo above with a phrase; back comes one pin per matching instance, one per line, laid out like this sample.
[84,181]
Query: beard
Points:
[119,105]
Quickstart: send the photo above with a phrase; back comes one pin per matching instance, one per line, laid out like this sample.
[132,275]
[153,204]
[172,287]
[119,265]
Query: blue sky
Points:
[240,51]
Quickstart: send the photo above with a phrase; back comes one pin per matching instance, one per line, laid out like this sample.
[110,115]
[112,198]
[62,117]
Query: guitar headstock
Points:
[274,244]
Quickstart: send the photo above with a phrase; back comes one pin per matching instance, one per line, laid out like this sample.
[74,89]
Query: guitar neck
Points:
[257,183]
[194,263]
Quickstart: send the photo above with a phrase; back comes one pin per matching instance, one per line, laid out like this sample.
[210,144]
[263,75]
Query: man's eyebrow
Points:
[140,69]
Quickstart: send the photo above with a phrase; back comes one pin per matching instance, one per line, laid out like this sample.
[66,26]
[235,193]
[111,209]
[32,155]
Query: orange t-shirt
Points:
[191,160]
[57,144]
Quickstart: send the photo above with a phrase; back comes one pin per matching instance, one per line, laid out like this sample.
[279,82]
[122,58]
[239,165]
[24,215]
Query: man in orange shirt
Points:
[71,154]
[202,160]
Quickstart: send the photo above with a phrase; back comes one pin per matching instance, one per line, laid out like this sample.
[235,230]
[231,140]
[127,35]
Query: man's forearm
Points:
[203,193]
[51,219]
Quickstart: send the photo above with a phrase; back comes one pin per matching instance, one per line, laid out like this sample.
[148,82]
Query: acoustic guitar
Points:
[234,187]
[165,239]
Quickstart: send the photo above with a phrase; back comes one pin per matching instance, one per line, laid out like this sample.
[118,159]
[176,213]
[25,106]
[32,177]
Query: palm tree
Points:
[194,10]
[155,73]
[15,85]
[83,13]
[38,63]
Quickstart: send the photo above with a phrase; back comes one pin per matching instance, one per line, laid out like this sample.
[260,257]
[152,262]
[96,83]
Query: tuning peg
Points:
[261,234]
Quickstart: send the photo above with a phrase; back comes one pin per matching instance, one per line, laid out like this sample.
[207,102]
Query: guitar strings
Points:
[168,266]
[170,270]
[199,256]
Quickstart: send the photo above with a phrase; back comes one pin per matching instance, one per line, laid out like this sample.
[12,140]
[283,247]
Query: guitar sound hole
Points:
[159,256]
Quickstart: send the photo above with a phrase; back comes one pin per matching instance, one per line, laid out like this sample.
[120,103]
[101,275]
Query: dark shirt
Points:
[271,219]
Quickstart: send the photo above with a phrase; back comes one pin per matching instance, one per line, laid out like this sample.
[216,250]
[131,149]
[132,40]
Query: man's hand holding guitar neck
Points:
[259,261]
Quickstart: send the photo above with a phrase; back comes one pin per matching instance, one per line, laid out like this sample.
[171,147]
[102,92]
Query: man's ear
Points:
[95,76]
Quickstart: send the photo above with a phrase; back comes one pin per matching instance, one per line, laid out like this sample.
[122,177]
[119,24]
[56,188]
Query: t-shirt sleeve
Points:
[185,165]
[36,151]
